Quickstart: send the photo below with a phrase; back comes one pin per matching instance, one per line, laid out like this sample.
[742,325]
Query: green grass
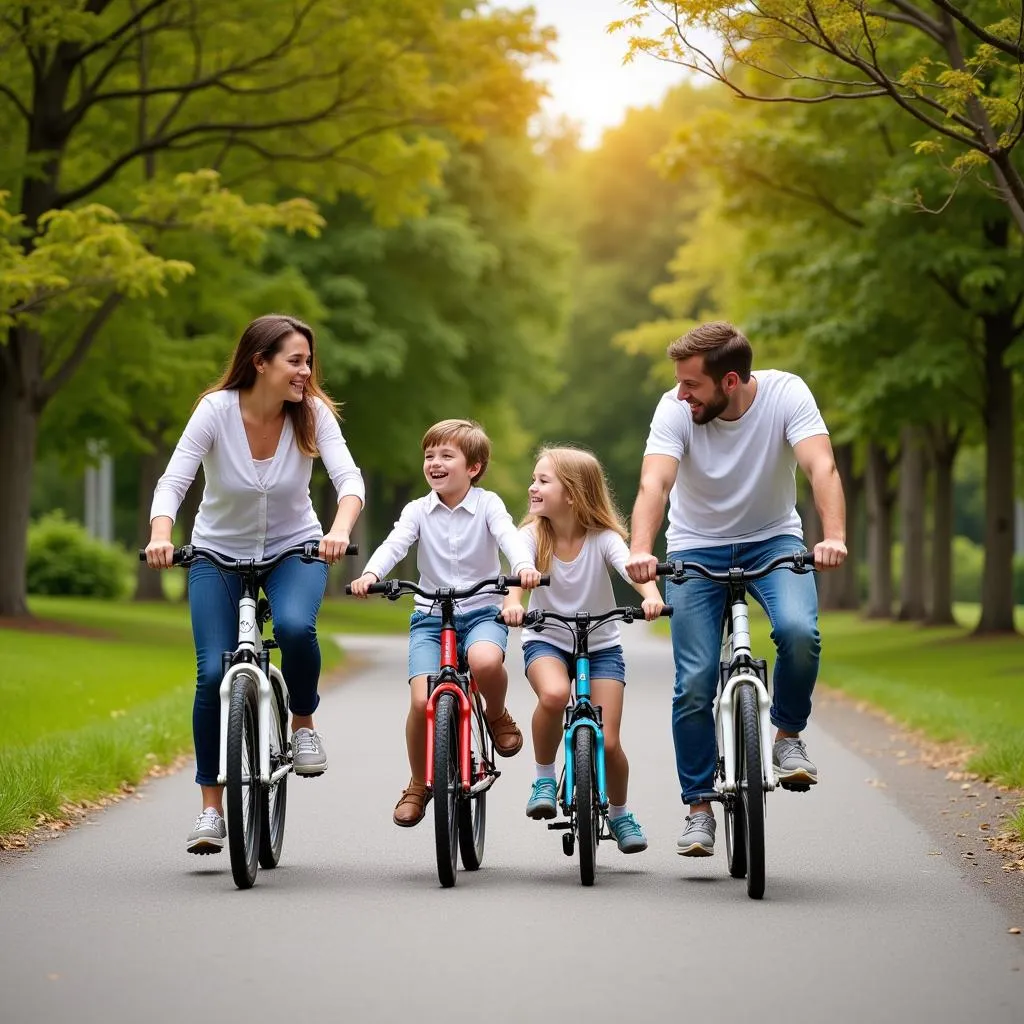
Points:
[374,615]
[82,715]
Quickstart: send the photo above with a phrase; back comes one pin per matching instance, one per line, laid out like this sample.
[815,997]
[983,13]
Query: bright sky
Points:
[589,84]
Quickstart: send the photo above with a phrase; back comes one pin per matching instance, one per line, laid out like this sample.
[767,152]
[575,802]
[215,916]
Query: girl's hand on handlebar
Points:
[528,579]
[333,546]
[512,613]
[652,607]
[159,554]
[361,585]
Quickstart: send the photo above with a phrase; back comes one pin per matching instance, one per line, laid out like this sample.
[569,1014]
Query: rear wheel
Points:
[751,780]
[588,820]
[735,816]
[446,788]
[274,798]
[473,811]
[243,786]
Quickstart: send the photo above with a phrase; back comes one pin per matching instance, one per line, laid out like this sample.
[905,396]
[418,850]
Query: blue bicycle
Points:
[581,790]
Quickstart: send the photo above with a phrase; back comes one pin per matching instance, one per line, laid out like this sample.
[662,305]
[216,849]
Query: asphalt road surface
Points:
[861,919]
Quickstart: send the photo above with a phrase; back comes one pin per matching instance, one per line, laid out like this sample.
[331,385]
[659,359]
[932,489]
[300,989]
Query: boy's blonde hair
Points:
[584,481]
[466,435]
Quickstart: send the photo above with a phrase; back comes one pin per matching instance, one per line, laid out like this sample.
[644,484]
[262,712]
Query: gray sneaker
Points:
[792,765]
[208,833]
[308,754]
[698,838]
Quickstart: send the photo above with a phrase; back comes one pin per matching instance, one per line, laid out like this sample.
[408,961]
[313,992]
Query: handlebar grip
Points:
[666,568]
[383,587]
[176,558]
[666,612]
[352,549]
[545,581]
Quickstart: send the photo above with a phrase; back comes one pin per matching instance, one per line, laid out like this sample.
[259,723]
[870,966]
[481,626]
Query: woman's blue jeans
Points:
[791,601]
[296,590]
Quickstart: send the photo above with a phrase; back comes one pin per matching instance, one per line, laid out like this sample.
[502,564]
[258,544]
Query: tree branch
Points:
[51,384]
[1015,50]
[127,26]
[19,106]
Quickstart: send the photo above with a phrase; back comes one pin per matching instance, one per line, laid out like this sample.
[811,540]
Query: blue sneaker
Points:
[542,800]
[628,834]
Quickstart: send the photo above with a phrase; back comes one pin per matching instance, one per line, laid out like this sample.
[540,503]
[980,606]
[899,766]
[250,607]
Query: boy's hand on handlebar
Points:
[642,567]
[528,579]
[829,554]
[333,546]
[360,586]
[652,607]
[160,554]
[512,613]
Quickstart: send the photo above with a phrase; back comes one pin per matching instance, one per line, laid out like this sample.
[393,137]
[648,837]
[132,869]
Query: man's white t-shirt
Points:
[737,478]
[582,585]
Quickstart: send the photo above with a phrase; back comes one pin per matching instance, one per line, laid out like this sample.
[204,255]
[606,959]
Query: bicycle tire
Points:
[447,783]
[242,782]
[274,798]
[735,817]
[587,818]
[752,790]
[473,811]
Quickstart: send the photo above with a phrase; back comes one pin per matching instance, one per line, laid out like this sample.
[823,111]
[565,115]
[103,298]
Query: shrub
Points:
[64,560]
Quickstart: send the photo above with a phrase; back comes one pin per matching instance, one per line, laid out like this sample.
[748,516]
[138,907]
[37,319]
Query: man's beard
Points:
[713,409]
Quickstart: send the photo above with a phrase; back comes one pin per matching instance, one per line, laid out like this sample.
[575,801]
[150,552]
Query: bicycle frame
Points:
[583,714]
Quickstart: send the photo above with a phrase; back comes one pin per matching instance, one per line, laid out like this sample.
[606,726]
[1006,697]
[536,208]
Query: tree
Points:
[115,100]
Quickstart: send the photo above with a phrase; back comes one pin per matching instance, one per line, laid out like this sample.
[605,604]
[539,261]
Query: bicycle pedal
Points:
[307,775]
[796,787]
[559,824]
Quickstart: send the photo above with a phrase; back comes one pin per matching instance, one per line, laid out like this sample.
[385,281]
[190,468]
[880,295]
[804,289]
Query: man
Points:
[723,448]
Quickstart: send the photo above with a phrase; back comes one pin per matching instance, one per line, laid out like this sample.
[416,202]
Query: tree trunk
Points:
[19,429]
[149,584]
[942,453]
[879,501]
[837,589]
[187,516]
[997,578]
[913,485]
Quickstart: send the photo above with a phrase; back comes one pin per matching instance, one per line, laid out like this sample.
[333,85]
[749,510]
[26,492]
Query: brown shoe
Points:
[410,809]
[508,740]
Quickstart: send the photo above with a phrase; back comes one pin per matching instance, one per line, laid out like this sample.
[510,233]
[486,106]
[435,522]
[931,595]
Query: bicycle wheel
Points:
[588,820]
[473,812]
[735,818]
[751,780]
[243,786]
[446,788]
[274,798]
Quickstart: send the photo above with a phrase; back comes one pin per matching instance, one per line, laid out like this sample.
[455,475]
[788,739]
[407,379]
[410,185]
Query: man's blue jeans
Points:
[296,590]
[791,601]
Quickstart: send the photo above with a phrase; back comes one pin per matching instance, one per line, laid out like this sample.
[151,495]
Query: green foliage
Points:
[64,560]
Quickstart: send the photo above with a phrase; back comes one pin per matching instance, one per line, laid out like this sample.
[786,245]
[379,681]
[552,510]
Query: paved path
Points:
[114,923]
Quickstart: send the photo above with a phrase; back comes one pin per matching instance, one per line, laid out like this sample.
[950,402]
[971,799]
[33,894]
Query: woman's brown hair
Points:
[263,337]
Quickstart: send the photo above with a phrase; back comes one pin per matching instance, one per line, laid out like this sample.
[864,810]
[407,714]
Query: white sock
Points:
[545,771]
[617,811]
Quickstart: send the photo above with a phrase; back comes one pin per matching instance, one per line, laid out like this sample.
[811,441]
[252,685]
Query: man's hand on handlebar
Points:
[359,587]
[529,578]
[642,567]
[829,554]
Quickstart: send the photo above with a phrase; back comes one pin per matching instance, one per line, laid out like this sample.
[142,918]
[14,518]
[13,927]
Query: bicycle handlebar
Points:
[801,562]
[188,553]
[585,620]
[394,589]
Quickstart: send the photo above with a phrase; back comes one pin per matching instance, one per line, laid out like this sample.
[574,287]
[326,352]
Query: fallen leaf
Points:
[1015,931]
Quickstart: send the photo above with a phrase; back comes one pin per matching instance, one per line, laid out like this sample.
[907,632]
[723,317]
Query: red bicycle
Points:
[460,765]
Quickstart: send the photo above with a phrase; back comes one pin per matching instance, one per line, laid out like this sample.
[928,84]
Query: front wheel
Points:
[473,811]
[447,783]
[274,798]
[751,781]
[243,785]
[588,819]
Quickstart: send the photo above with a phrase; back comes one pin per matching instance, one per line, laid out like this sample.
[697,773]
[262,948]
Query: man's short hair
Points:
[724,348]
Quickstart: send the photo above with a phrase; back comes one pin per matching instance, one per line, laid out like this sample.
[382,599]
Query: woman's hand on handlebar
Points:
[360,586]
[333,546]
[159,554]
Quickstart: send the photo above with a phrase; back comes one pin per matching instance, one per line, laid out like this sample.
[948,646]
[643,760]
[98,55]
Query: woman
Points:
[256,433]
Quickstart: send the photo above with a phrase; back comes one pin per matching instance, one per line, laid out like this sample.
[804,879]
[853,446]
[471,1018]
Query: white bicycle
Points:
[255,748]
[744,772]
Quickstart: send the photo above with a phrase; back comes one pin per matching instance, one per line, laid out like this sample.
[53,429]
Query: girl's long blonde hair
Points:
[581,475]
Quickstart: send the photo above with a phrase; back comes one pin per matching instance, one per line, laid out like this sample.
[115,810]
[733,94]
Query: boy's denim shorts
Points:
[471,628]
[606,663]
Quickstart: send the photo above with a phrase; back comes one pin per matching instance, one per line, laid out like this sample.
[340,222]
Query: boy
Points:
[460,528]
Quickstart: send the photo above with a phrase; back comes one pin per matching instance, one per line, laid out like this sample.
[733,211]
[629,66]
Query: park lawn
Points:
[81,715]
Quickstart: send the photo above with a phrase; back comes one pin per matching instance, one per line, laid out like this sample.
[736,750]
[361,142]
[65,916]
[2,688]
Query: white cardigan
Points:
[242,516]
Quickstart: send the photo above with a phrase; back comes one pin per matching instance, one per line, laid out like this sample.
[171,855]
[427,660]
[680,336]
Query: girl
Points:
[576,535]
[256,432]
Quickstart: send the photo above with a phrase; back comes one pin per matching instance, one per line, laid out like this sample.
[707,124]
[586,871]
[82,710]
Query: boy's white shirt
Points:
[457,546]
[582,585]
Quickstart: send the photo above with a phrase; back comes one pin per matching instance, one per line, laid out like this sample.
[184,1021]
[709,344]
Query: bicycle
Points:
[254,704]
[744,773]
[460,746]
[582,792]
